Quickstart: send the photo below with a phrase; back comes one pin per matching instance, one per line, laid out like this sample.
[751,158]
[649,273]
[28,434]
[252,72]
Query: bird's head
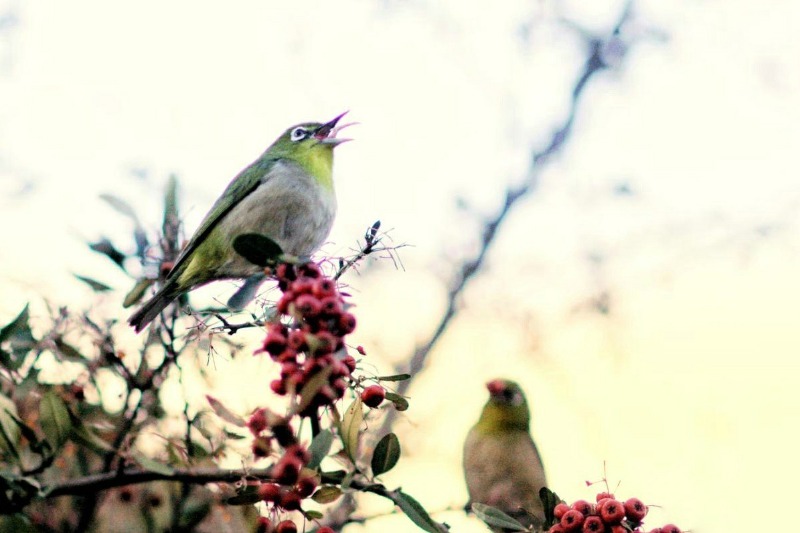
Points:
[506,409]
[311,145]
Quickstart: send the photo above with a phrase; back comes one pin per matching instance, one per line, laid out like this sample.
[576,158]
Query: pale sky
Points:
[687,390]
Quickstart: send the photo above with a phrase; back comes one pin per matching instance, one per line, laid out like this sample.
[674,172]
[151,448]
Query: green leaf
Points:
[154,466]
[495,517]
[225,413]
[54,418]
[247,496]
[137,292]
[396,377]
[83,435]
[105,247]
[16,326]
[327,494]
[312,515]
[417,513]
[351,426]
[69,352]
[549,501]
[39,446]
[400,403]
[95,285]
[9,432]
[312,387]
[258,249]
[319,447]
[387,453]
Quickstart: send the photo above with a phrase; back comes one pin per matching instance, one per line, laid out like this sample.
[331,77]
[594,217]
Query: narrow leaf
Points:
[319,447]
[400,403]
[137,292]
[396,377]
[120,205]
[69,352]
[54,418]
[351,426]
[256,248]
[107,248]
[327,494]
[83,435]
[495,517]
[9,432]
[225,413]
[386,455]
[312,515]
[19,324]
[95,285]
[312,387]
[417,513]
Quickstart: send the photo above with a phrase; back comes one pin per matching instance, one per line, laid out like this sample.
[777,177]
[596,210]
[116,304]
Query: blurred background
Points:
[643,290]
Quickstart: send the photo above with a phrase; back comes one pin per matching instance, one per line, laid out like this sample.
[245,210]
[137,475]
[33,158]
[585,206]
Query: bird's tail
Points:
[153,307]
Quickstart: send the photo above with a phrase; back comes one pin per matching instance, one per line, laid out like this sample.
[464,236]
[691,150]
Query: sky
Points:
[685,390]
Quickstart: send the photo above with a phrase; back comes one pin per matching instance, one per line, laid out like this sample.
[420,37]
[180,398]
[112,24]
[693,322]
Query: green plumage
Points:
[287,194]
[502,466]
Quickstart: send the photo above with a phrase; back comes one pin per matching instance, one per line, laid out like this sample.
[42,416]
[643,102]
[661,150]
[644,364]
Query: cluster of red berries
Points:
[314,341]
[608,515]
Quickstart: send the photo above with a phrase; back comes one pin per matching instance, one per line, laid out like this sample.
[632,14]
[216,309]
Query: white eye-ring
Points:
[299,133]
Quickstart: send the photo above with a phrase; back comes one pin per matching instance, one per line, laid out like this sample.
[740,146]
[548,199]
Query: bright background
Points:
[676,198]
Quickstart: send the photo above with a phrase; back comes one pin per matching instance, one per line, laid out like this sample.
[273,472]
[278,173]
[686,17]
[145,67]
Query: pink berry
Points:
[560,509]
[572,520]
[286,526]
[593,524]
[635,509]
[269,492]
[583,506]
[670,528]
[611,511]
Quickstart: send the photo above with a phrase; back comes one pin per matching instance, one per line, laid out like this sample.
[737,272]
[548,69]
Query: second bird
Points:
[286,194]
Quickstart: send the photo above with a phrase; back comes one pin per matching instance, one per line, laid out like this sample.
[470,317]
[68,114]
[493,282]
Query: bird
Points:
[287,194]
[502,466]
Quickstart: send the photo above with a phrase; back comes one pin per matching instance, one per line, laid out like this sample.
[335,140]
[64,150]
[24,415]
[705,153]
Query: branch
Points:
[594,64]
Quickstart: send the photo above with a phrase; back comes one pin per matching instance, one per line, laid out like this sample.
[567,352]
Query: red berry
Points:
[283,303]
[275,343]
[350,361]
[656,530]
[611,511]
[310,270]
[278,386]
[593,524]
[322,343]
[361,350]
[583,506]
[286,526]
[670,528]
[619,528]
[269,492]
[305,486]
[373,395]
[557,528]
[572,520]
[603,496]
[258,421]
[347,323]
[263,525]
[290,500]
[297,340]
[559,510]
[307,305]
[325,529]
[261,446]
[324,287]
[635,509]
[287,470]
[331,306]
[299,452]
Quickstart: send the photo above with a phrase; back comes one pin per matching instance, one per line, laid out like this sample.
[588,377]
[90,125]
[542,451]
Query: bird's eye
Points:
[299,133]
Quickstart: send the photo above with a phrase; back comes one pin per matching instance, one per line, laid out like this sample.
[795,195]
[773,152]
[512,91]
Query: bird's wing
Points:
[243,184]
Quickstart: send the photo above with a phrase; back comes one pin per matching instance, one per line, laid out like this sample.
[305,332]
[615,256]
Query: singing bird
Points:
[286,194]
[502,466]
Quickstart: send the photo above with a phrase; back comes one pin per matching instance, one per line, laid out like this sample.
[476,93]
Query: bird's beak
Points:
[326,134]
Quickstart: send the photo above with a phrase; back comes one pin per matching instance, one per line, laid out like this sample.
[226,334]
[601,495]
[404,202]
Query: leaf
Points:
[312,387]
[225,413]
[400,403]
[95,285]
[54,418]
[396,377]
[417,513]
[386,455]
[256,248]
[351,425]
[549,501]
[9,432]
[69,352]
[107,248]
[39,446]
[154,466]
[246,496]
[83,435]
[137,292]
[319,447]
[312,515]
[327,494]
[495,517]
[120,205]
[16,326]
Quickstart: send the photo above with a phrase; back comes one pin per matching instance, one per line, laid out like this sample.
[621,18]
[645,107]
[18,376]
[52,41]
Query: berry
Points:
[286,526]
[557,528]
[373,395]
[619,528]
[263,524]
[258,421]
[611,511]
[324,287]
[297,340]
[269,492]
[572,520]
[307,305]
[361,350]
[298,452]
[275,343]
[347,324]
[310,270]
[593,524]
[278,387]
[261,446]
[290,500]
[350,361]
[331,306]
[305,486]
[635,510]
[559,510]
[325,529]
[583,506]
[603,496]
[670,528]
[287,470]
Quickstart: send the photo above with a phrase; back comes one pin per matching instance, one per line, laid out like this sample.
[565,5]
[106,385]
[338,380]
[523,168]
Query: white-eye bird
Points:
[286,194]
[502,466]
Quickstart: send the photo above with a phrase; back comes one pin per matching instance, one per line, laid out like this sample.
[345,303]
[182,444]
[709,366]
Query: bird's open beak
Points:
[326,134]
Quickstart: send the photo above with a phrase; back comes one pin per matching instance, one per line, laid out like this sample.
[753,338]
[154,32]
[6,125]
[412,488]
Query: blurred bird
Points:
[502,466]
[286,194]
